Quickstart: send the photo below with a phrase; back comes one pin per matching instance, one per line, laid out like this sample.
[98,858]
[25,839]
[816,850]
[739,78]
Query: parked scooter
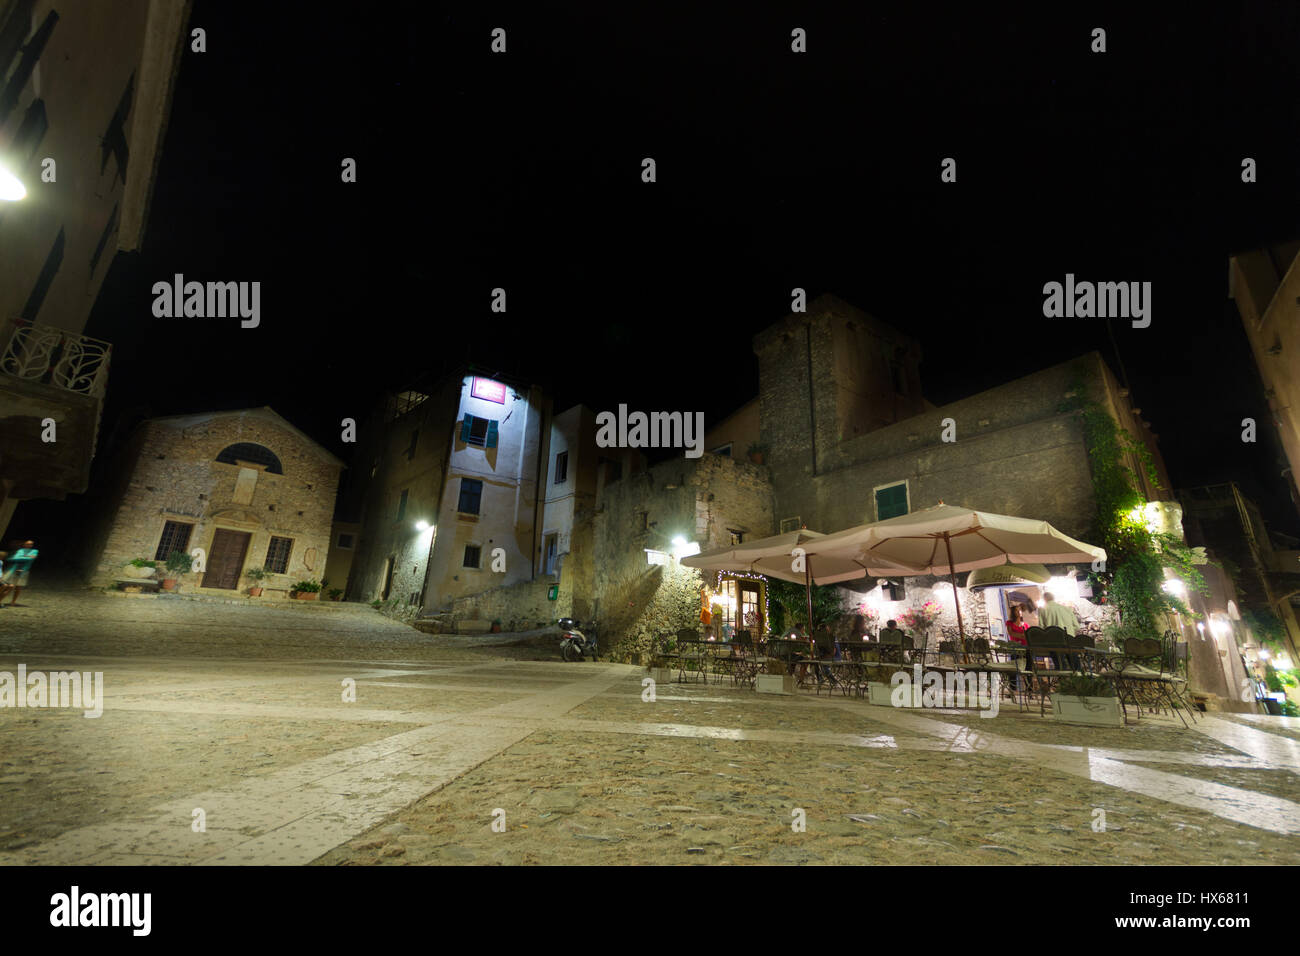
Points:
[574,645]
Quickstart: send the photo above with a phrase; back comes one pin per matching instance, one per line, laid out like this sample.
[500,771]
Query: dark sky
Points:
[775,170]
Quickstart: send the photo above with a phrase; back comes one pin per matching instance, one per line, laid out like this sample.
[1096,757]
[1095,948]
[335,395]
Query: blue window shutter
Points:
[464,428]
[492,434]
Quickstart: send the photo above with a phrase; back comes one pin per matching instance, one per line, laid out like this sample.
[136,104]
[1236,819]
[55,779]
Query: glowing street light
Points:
[11,188]
[422,526]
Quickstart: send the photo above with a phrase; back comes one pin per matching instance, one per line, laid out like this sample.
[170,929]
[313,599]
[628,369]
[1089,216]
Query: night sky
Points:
[775,170]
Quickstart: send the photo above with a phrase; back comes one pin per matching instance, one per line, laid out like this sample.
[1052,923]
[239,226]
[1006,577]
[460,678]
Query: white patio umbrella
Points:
[946,539]
[775,557]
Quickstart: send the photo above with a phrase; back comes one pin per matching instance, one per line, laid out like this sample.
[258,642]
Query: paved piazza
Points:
[234,716]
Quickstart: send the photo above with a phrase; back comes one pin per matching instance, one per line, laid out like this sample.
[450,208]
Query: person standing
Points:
[17,568]
[1016,626]
[1052,614]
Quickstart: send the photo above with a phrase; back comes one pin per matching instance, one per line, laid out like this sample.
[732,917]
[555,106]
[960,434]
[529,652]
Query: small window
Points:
[552,547]
[471,497]
[561,467]
[345,541]
[891,501]
[175,537]
[254,454]
[479,431]
[790,524]
[472,556]
[736,536]
[893,590]
[277,555]
[401,505]
[410,449]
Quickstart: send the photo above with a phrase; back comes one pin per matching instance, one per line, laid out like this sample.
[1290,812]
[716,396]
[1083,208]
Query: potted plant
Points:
[255,575]
[776,679]
[305,591]
[1080,699]
[496,626]
[178,563]
[140,568]
[756,452]
[336,594]
[880,687]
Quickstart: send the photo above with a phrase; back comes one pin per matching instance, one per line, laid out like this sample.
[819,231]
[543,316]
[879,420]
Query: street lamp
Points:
[422,525]
[11,188]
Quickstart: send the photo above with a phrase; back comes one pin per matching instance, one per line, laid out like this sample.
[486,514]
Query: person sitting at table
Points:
[892,636]
[1016,626]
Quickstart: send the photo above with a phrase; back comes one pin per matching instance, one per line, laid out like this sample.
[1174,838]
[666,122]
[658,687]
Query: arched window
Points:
[257,454]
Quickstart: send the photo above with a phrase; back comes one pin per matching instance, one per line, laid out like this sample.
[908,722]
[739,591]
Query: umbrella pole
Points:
[956,602]
[807,581]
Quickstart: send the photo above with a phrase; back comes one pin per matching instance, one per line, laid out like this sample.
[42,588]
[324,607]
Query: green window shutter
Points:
[492,434]
[464,428]
[891,502]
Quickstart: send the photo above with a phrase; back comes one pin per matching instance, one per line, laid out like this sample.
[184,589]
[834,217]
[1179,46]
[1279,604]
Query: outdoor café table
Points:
[691,651]
[724,655]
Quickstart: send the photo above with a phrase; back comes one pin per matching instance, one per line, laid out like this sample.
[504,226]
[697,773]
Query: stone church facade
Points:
[246,487]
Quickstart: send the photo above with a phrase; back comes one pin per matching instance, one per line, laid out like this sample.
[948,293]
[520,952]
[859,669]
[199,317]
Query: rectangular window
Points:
[561,467]
[891,501]
[790,524]
[175,537]
[552,546]
[479,431]
[471,497]
[401,505]
[277,555]
[736,536]
[410,449]
[345,541]
[472,556]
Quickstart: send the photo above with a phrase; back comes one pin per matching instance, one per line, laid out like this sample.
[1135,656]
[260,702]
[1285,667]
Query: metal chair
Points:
[1045,643]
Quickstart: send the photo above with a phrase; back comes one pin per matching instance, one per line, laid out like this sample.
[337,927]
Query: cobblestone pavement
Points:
[225,738]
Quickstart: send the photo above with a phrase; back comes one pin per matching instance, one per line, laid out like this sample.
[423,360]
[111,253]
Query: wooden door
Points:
[226,559]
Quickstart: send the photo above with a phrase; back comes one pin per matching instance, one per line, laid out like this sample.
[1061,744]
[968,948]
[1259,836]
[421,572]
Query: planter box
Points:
[775,684]
[880,694]
[663,675]
[131,571]
[305,595]
[1097,711]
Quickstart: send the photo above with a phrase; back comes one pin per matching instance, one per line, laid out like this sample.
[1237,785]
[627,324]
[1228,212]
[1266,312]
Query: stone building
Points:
[1265,283]
[452,506]
[89,87]
[246,487]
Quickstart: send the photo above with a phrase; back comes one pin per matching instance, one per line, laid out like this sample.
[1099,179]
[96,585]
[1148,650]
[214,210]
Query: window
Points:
[893,590]
[345,541]
[46,278]
[561,467]
[736,536]
[401,505]
[723,450]
[254,454]
[410,449]
[479,431]
[552,546]
[471,496]
[114,138]
[277,555]
[472,556]
[110,227]
[891,501]
[790,524]
[31,55]
[175,537]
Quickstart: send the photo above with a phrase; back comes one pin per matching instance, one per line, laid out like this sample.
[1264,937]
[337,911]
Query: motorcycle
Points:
[574,645]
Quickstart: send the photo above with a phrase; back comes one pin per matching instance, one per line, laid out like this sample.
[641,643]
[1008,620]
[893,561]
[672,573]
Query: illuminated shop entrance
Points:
[741,605]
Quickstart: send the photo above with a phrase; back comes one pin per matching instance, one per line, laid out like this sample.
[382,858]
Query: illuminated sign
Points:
[488,390]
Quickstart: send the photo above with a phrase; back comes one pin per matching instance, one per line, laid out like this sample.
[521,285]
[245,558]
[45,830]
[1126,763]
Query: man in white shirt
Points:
[1052,614]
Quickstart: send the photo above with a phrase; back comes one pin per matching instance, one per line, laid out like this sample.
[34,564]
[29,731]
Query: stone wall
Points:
[519,607]
[175,476]
[701,500]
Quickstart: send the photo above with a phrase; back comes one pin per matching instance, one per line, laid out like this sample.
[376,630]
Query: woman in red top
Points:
[1016,626]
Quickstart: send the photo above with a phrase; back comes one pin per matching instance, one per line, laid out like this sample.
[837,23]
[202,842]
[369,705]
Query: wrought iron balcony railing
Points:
[69,360]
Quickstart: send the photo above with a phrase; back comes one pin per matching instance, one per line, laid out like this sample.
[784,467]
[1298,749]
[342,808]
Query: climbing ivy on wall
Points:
[1136,555]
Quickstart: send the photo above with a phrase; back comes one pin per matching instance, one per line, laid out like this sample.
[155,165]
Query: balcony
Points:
[50,356]
[49,373]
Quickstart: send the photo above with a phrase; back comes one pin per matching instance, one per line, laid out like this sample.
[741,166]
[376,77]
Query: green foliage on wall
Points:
[789,603]
[1136,555]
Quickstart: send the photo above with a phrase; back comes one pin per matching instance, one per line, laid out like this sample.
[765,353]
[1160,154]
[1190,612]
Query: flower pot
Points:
[756,457]
[774,684]
[1095,711]
[496,628]
[169,584]
[305,595]
[255,592]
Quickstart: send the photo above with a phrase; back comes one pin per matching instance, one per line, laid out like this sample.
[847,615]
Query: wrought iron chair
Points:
[1047,643]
